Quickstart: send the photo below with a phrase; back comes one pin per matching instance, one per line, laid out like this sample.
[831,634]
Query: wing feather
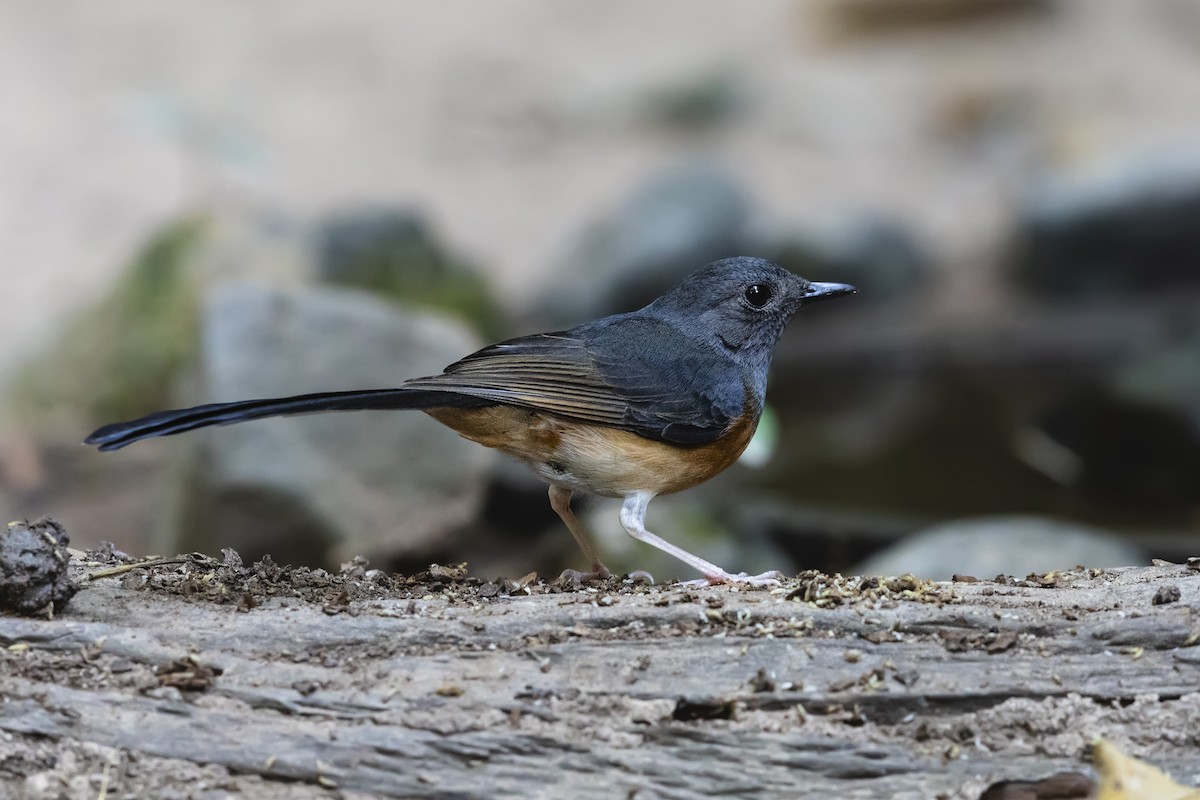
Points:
[645,378]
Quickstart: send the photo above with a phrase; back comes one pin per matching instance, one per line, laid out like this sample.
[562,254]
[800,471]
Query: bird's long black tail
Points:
[167,423]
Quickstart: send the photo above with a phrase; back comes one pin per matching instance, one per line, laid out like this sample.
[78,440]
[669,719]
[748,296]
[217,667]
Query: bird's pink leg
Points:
[633,519]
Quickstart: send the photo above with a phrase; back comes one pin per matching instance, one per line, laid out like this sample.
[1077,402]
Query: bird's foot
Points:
[640,576]
[573,577]
[769,578]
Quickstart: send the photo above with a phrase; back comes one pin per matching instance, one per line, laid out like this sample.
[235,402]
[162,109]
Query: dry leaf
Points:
[1125,778]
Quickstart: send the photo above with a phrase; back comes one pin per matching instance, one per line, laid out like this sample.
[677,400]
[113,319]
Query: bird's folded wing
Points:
[628,384]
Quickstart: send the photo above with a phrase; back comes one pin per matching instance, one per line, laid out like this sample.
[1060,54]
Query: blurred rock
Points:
[816,538]
[924,448]
[1169,377]
[1003,545]
[868,17]
[1129,228]
[875,253]
[675,222]
[686,217]
[1121,452]
[515,527]
[985,120]
[393,253]
[324,488]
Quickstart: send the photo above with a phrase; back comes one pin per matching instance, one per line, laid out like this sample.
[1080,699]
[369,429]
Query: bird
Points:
[633,405]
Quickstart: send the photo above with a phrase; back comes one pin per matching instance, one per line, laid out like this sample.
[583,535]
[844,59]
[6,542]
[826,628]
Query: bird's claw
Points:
[766,579]
[640,576]
[574,577]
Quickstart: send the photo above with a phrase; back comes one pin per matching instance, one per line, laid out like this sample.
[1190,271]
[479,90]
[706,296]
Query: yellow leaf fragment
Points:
[1125,778]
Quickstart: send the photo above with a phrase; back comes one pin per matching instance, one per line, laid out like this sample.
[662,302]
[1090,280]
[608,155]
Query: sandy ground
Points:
[514,123]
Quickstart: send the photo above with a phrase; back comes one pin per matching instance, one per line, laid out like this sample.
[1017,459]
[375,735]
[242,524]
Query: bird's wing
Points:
[640,375]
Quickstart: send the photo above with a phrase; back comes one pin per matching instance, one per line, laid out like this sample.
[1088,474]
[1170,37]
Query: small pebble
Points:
[1166,594]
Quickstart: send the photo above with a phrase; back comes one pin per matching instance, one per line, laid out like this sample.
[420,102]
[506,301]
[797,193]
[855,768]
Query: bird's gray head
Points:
[741,305]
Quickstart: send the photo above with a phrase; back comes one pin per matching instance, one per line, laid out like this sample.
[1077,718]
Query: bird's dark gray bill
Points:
[825,291]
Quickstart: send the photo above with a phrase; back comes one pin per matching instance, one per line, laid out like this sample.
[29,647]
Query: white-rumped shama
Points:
[633,405]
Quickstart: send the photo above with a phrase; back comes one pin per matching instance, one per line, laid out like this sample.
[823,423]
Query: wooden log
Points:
[442,686]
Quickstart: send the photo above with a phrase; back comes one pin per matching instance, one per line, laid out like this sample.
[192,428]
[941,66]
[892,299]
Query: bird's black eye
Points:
[758,294]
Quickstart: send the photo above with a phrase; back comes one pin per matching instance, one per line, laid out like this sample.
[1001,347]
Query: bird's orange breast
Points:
[597,458]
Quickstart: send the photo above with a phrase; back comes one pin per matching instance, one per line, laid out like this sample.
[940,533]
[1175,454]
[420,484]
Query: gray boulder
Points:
[878,254]
[989,546]
[685,217]
[675,222]
[1126,228]
[330,486]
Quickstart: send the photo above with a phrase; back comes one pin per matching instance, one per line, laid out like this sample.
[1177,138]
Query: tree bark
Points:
[445,687]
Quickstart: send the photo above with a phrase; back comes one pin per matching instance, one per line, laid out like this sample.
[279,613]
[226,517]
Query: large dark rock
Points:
[1128,229]
[873,252]
[330,486]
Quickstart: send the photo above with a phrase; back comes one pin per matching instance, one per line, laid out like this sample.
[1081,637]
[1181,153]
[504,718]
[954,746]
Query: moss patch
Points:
[395,255]
[118,358]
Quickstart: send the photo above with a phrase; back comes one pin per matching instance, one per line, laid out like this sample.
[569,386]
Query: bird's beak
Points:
[825,291]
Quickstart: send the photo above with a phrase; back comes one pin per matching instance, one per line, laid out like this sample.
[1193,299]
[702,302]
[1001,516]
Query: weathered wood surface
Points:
[454,690]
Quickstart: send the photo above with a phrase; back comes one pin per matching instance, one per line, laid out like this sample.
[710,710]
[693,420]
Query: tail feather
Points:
[168,423]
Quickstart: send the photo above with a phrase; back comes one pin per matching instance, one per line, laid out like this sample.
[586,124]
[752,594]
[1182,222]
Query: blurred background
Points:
[219,201]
